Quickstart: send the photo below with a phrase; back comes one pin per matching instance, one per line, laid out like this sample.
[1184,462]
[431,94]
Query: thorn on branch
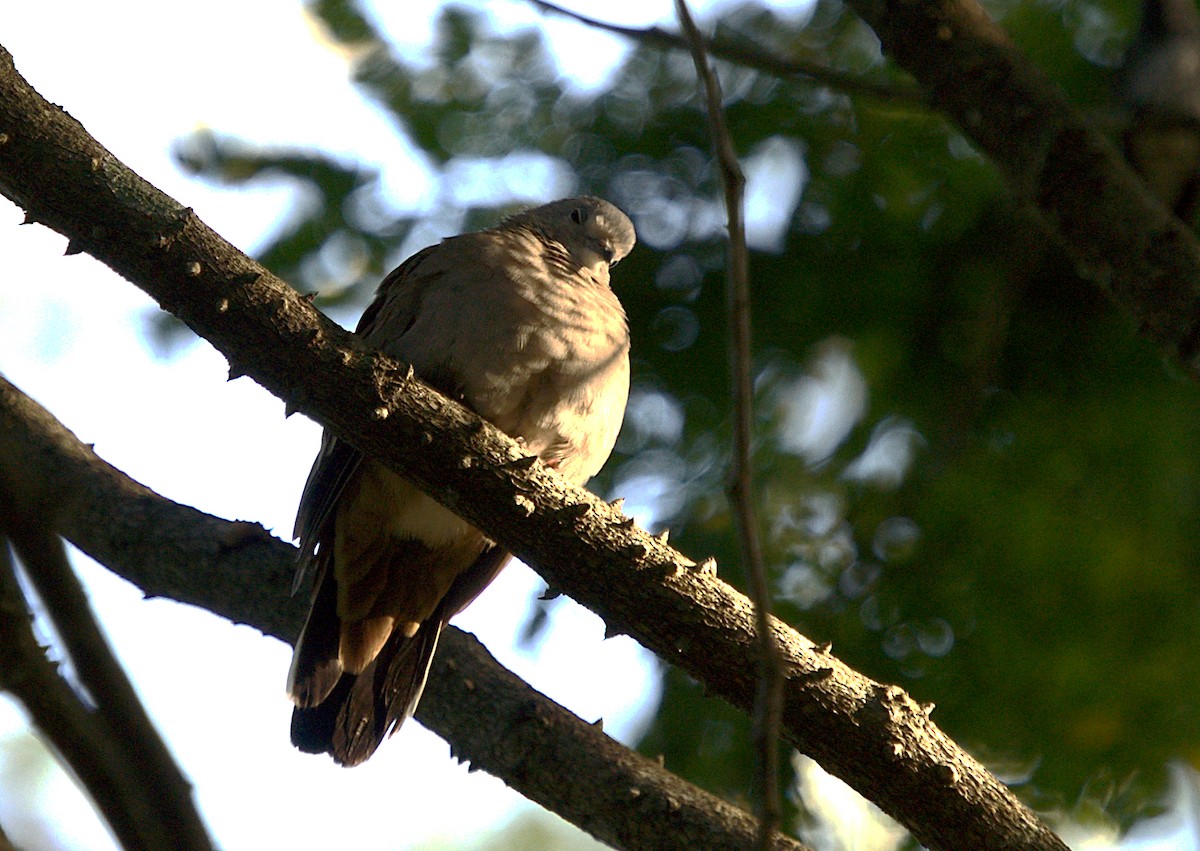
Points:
[525,462]
[578,510]
[636,550]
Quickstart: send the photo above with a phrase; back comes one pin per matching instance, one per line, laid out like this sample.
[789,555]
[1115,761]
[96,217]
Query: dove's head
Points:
[594,232]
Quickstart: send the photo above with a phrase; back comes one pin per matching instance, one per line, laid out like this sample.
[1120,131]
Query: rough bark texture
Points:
[873,736]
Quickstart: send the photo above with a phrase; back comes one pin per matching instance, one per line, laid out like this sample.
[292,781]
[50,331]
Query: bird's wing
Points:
[337,461]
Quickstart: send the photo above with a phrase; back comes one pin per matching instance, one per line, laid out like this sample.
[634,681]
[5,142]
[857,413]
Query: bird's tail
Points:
[365,708]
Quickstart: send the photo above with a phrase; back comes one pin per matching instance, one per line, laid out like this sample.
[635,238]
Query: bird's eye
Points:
[577,215]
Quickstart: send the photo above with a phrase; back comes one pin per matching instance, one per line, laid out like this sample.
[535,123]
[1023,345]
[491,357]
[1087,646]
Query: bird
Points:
[519,323]
[1158,88]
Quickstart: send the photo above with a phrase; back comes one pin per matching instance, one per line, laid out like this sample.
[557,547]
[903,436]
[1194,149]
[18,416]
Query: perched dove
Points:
[519,323]
[1158,85]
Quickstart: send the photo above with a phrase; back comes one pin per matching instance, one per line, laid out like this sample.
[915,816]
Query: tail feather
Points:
[362,709]
[315,667]
[348,715]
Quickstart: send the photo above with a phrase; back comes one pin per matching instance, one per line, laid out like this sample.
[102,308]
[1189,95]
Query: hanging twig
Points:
[768,705]
[750,56]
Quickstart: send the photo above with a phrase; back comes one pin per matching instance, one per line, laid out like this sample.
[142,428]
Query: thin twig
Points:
[750,56]
[768,705]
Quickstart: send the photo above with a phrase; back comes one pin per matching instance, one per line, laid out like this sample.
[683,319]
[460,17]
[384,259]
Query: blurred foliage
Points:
[976,480]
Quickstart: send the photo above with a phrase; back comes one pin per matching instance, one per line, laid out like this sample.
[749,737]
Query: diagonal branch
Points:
[748,56]
[1118,235]
[768,704]
[80,737]
[27,517]
[489,716]
[874,737]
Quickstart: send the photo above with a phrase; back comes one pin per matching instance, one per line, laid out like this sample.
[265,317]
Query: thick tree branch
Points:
[490,717]
[1117,233]
[873,736]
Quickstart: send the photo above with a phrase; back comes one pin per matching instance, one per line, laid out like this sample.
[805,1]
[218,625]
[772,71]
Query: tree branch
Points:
[80,737]
[489,716]
[1116,232]
[768,703]
[27,516]
[874,737]
[748,56]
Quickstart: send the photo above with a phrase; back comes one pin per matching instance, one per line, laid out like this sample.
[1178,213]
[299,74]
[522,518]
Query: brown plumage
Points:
[519,323]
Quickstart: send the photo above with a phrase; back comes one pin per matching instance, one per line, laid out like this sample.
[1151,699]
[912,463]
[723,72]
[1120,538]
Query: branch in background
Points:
[748,56]
[874,737]
[80,737]
[27,515]
[768,705]
[489,716]
[1117,234]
